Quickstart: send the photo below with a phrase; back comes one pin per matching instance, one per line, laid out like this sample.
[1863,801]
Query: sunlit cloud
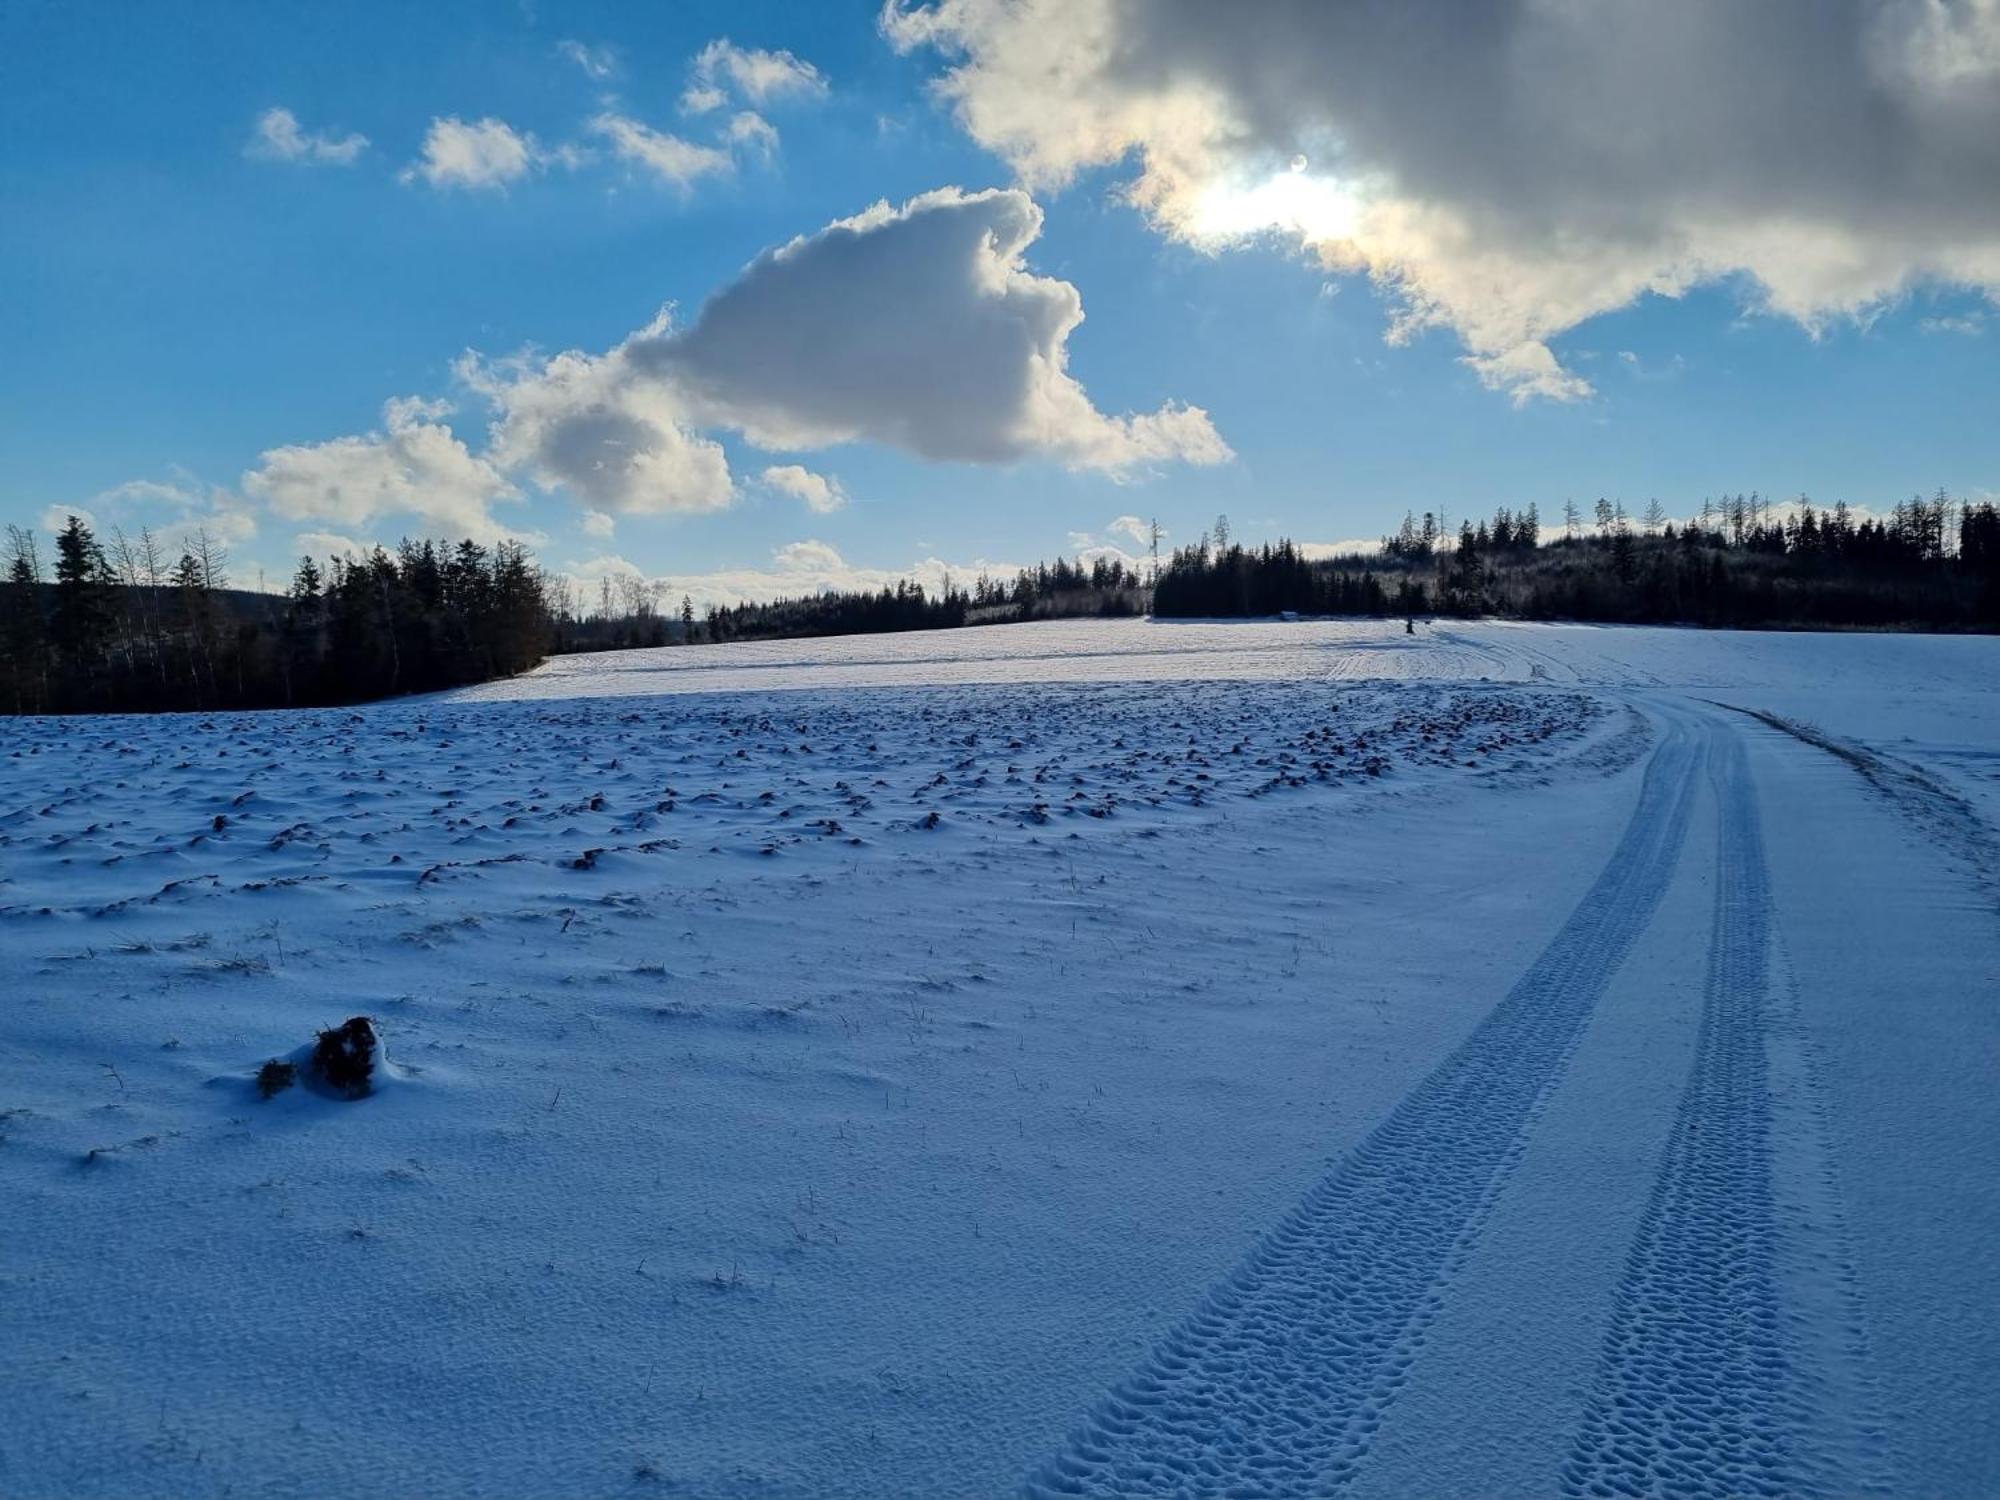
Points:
[1510,170]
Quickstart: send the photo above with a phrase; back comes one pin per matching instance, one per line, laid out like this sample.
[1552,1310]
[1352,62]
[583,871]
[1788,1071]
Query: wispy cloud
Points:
[598,63]
[722,69]
[278,136]
[667,157]
[56,517]
[1139,531]
[1670,368]
[1965,325]
[809,566]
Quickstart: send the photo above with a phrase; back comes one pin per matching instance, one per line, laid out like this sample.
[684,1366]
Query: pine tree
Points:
[82,619]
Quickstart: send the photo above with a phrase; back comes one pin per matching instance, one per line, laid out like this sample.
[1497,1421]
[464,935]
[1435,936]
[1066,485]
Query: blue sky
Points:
[178,302]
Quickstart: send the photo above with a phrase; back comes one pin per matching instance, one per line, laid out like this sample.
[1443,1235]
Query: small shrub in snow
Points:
[275,1077]
[344,1058]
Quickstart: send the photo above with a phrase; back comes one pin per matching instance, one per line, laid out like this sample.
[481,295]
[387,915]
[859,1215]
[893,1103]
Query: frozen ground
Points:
[1095,1059]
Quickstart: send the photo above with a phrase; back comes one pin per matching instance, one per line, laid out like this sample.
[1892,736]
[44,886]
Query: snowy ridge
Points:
[1276,1384]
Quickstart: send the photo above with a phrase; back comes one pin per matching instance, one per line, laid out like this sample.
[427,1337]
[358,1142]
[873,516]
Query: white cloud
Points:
[1966,325]
[414,466]
[604,565]
[1671,368]
[667,157]
[820,492]
[807,557]
[331,544]
[722,68]
[598,63]
[615,438]
[1527,370]
[1089,549]
[279,137]
[795,569]
[170,509]
[1106,552]
[149,491]
[1364,545]
[1138,530]
[56,517]
[1512,169]
[750,131]
[920,327]
[488,153]
[229,521]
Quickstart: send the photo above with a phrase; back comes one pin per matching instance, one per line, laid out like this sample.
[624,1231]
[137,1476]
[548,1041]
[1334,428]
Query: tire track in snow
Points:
[1275,1386]
[1701,1386]
[1941,813]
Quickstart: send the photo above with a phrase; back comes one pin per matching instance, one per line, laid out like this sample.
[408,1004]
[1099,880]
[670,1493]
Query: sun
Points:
[1316,208]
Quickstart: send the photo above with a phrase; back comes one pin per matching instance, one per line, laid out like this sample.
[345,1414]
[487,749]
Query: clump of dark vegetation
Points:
[275,1077]
[343,1059]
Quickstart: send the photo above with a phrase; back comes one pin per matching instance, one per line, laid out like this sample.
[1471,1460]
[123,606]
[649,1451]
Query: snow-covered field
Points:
[1098,1058]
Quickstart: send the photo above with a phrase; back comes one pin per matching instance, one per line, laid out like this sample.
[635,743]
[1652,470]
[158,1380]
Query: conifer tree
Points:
[82,620]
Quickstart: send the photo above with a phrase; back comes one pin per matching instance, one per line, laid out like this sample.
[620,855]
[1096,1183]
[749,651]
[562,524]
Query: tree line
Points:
[1745,562]
[120,626]
[633,612]
[125,628]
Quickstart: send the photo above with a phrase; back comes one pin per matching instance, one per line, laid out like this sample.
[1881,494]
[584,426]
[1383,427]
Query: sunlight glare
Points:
[1316,208]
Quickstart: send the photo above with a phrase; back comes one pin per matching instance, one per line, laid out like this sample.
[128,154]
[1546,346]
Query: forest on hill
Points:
[125,628]
[1929,564]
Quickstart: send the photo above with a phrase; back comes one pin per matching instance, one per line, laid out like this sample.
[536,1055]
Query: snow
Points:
[1104,1058]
